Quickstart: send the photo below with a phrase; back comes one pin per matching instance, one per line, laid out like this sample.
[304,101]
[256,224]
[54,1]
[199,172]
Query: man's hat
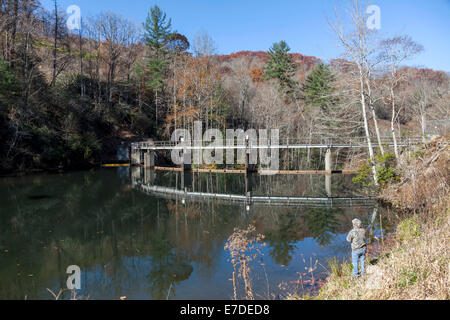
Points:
[357,223]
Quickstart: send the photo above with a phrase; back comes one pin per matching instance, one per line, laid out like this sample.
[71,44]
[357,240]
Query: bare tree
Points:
[5,21]
[206,74]
[115,32]
[12,10]
[268,113]
[442,105]
[24,58]
[55,39]
[394,52]
[80,48]
[177,45]
[93,32]
[243,90]
[203,45]
[360,47]
[14,14]
[61,43]
[424,96]
[132,50]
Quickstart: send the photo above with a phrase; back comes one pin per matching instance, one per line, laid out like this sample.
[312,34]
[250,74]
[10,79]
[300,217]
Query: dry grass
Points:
[426,181]
[73,295]
[243,246]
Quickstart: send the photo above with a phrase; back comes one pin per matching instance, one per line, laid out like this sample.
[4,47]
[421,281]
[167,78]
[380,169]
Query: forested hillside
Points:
[69,98]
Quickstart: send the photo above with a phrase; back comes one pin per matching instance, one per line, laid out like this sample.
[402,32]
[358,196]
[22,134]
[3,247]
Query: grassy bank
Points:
[414,262]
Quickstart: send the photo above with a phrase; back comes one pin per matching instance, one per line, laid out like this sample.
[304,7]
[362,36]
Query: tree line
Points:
[68,98]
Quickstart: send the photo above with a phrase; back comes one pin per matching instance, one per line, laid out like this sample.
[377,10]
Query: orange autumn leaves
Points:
[195,94]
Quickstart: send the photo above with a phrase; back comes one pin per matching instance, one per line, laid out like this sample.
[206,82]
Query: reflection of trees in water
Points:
[285,227]
[168,267]
[323,224]
[104,222]
[282,239]
[53,221]
[200,229]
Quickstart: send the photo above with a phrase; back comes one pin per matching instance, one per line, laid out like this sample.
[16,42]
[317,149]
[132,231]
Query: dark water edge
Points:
[12,173]
[131,244]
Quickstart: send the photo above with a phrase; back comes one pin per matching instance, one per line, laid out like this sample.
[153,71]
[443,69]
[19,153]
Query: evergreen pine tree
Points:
[7,82]
[281,66]
[319,92]
[319,89]
[156,68]
[157,30]
[156,35]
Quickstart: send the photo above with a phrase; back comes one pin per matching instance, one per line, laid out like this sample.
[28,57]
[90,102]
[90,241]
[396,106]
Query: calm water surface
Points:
[129,243]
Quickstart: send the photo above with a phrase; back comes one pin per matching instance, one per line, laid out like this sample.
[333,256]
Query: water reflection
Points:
[323,224]
[240,184]
[129,243]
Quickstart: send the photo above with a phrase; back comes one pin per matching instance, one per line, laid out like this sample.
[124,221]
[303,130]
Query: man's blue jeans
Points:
[359,257]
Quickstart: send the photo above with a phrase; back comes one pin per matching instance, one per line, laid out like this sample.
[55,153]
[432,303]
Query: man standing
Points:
[357,237]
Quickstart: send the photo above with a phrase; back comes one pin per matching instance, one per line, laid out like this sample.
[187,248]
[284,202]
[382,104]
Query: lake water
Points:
[154,246]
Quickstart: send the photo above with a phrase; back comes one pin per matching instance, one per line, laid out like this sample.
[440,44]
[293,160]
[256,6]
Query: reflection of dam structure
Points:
[144,180]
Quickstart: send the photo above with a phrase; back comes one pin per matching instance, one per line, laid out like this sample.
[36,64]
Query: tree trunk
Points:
[377,130]
[14,30]
[55,44]
[82,88]
[156,109]
[394,117]
[366,127]
[424,127]
[374,115]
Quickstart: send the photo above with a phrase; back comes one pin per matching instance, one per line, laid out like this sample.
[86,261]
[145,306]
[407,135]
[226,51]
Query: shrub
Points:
[408,278]
[83,147]
[7,81]
[418,155]
[364,177]
[386,173]
[338,269]
[409,229]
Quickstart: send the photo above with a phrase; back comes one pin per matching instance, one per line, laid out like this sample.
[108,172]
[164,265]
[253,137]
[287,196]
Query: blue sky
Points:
[237,25]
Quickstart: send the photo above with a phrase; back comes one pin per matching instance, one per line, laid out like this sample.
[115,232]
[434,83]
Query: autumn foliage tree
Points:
[199,96]
[257,75]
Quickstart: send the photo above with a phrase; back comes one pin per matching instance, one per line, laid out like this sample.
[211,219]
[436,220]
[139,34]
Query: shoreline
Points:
[413,262]
[19,173]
